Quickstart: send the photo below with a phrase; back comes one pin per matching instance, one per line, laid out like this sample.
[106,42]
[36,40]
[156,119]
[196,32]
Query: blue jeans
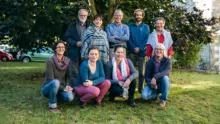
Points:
[51,91]
[163,86]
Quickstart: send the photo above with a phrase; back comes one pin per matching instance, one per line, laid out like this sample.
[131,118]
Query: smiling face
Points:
[60,49]
[119,53]
[98,22]
[93,55]
[139,16]
[159,51]
[160,25]
[118,17]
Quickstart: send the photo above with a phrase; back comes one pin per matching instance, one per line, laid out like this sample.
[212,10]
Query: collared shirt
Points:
[121,33]
[81,29]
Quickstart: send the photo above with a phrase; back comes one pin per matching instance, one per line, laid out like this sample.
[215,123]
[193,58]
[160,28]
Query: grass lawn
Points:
[193,98]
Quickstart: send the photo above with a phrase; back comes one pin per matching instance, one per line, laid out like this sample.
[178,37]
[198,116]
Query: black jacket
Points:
[165,69]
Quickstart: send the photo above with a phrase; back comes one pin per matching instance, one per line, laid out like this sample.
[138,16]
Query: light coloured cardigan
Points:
[153,39]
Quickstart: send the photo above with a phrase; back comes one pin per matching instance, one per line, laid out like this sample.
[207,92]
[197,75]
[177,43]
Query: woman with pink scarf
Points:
[121,73]
[58,78]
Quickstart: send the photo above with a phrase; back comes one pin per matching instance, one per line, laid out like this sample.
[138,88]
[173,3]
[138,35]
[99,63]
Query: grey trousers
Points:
[139,62]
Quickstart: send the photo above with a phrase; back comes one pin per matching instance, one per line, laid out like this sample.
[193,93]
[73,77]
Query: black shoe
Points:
[82,104]
[99,104]
[132,105]
[140,91]
[111,99]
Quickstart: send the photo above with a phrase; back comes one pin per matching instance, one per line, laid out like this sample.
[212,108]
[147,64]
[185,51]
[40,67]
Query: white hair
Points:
[82,10]
[118,11]
[160,45]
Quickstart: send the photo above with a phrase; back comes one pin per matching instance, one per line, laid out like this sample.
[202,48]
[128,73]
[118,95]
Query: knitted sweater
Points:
[65,77]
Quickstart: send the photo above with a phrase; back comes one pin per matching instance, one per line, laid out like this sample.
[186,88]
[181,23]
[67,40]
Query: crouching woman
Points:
[157,71]
[91,83]
[57,82]
[122,73]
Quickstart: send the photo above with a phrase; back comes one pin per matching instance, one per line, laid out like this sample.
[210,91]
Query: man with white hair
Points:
[157,73]
[117,33]
[74,35]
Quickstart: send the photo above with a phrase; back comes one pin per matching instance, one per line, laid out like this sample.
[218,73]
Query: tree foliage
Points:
[41,22]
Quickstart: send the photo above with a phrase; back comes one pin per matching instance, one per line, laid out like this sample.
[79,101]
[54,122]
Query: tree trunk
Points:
[93,8]
[111,9]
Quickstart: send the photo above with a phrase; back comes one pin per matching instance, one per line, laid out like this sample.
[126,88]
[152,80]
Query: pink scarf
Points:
[124,73]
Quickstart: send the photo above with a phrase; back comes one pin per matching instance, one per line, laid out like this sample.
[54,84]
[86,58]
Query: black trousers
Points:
[117,90]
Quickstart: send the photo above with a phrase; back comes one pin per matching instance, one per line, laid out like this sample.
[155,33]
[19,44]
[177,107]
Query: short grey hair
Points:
[118,11]
[160,18]
[160,45]
[82,10]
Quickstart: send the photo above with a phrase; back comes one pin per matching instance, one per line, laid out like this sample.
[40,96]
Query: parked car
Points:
[38,55]
[4,56]
[3,47]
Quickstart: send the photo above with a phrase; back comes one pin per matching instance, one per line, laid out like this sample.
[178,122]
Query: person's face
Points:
[93,55]
[60,49]
[98,22]
[83,16]
[119,54]
[139,16]
[159,51]
[159,25]
[118,17]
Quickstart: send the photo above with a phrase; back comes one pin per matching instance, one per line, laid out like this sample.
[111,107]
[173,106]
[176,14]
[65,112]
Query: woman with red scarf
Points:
[121,73]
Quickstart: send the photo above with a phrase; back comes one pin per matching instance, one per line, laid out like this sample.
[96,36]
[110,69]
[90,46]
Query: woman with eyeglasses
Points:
[157,71]
[58,79]
[160,35]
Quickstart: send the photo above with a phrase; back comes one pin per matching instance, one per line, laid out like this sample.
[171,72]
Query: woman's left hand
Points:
[68,89]
[127,83]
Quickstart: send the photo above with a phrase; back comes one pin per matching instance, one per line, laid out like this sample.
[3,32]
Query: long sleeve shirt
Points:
[109,69]
[151,70]
[53,73]
[160,40]
[85,74]
[120,32]
[138,37]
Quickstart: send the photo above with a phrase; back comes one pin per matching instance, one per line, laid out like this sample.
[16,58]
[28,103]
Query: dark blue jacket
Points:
[164,70]
[72,37]
[138,37]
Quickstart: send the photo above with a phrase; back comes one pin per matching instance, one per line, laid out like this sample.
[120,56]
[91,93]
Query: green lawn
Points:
[193,99]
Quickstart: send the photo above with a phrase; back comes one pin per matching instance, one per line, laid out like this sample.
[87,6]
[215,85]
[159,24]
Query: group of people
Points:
[106,61]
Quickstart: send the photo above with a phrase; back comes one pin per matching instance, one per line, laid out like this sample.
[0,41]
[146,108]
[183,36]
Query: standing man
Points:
[117,33]
[74,35]
[139,33]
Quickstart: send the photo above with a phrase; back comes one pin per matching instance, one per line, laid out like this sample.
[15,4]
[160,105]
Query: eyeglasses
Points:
[159,49]
[60,47]
[83,15]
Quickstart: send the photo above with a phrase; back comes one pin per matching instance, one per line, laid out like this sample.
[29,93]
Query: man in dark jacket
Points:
[157,71]
[139,33]
[74,35]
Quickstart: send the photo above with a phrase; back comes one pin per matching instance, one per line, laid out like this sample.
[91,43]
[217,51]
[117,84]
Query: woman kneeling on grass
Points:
[57,83]
[121,72]
[156,74]
[91,82]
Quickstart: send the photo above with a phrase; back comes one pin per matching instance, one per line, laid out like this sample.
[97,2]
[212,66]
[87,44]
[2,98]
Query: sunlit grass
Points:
[193,98]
